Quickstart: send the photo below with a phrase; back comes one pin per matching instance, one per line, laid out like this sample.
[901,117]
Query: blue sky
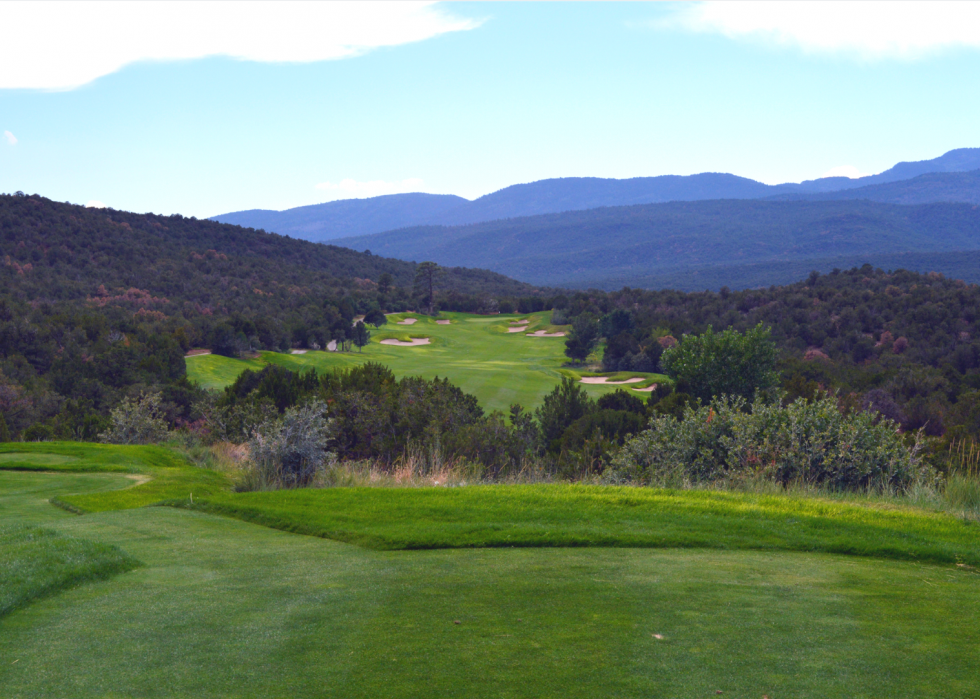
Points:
[467,98]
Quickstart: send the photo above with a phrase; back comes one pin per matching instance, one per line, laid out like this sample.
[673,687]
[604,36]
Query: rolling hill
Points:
[616,246]
[357,217]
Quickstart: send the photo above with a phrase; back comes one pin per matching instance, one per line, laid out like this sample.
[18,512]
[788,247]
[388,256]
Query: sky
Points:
[202,108]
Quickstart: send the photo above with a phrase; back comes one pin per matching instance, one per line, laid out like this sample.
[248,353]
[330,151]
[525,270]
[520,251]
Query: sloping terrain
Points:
[614,246]
[924,189]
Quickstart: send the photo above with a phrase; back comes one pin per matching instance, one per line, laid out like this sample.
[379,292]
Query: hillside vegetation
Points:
[97,305]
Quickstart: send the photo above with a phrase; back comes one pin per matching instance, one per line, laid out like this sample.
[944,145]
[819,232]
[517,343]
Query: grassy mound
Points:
[161,474]
[572,516]
[475,352]
[38,562]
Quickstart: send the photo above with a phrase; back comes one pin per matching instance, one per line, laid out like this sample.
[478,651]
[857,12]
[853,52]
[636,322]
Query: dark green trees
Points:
[583,338]
[726,363]
[361,335]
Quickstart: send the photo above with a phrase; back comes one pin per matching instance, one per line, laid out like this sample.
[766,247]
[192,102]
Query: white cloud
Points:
[352,189]
[11,139]
[874,30]
[95,204]
[845,171]
[67,43]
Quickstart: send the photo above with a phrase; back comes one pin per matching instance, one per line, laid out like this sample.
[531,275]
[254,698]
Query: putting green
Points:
[223,608]
[477,353]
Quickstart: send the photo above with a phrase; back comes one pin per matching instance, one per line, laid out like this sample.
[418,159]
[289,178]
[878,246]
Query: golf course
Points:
[496,358]
[495,591]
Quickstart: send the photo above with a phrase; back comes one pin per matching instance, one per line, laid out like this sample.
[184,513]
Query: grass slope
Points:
[37,562]
[161,474]
[223,608]
[475,352]
[575,515]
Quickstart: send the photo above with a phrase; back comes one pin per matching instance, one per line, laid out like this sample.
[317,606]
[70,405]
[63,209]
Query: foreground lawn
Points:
[576,515]
[475,352]
[223,608]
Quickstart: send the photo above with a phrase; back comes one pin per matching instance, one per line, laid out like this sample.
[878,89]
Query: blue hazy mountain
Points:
[359,217]
[730,242]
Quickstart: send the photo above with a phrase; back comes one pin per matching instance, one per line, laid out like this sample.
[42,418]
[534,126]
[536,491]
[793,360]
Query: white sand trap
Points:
[519,322]
[542,333]
[298,352]
[442,322]
[197,353]
[332,346]
[648,389]
[605,380]
[414,342]
[518,329]
[407,321]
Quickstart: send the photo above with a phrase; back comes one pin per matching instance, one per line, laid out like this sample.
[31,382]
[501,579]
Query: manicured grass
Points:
[223,608]
[475,352]
[576,515]
[35,562]
[160,474]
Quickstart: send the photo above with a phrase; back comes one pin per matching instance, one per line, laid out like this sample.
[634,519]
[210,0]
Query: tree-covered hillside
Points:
[612,247]
[97,305]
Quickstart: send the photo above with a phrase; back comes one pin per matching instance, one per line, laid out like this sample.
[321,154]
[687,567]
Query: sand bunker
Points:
[443,322]
[519,322]
[518,329]
[605,380]
[407,321]
[648,389]
[197,352]
[415,341]
[542,333]
[298,352]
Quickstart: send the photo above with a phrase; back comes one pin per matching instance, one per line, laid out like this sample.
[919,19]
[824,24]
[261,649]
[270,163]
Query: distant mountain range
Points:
[947,178]
[693,245]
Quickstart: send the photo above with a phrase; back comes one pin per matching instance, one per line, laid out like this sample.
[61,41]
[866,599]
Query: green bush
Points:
[803,442]
[726,363]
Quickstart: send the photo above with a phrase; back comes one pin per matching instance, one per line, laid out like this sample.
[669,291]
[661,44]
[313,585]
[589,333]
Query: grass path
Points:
[475,352]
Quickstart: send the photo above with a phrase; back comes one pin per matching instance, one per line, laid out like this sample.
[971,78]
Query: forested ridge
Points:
[97,304]
[901,343]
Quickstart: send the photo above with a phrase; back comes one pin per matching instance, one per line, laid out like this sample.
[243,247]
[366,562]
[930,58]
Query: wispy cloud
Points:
[870,30]
[352,189]
[64,44]
[11,139]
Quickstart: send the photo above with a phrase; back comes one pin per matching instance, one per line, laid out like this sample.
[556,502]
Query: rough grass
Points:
[167,475]
[578,515]
[36,562]
[475,352]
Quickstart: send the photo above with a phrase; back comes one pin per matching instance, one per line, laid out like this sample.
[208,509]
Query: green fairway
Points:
[224,608]
[475,352]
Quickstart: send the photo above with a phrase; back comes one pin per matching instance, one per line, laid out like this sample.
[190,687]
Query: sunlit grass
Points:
[475,352]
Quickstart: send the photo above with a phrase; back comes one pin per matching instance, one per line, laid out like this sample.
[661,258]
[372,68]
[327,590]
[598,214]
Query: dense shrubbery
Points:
[803,442]
[904,344]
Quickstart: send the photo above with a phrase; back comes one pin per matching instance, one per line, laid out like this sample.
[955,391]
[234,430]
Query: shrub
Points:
[727,363]
[804,442]
[290,451]
[136,421]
